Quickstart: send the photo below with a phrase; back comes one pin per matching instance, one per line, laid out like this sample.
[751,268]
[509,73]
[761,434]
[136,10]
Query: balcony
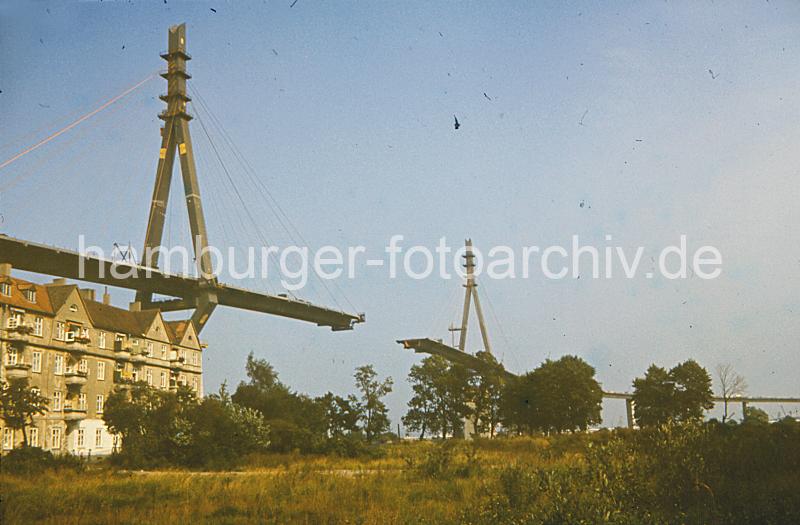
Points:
[123,378]
[19,332]
[176,363]
[138,357]
[18,371]
[75,378]
[78,345]
[74,412]
[122,351]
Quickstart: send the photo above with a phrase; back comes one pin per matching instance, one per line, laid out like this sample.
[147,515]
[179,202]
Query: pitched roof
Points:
[107,317]
[51,297]
[176,330]
[58,294]
[42,304]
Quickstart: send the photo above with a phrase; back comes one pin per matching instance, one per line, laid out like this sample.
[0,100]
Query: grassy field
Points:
[406,485]
[569,479]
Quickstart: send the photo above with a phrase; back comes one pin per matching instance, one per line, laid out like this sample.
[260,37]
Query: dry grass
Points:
[272,489]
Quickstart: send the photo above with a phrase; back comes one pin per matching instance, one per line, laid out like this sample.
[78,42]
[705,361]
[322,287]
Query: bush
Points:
[33,460]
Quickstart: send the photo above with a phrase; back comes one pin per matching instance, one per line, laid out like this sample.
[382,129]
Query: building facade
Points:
[76,350]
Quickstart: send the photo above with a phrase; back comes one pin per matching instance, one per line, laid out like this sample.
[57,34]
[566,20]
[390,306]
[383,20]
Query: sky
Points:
[663,118]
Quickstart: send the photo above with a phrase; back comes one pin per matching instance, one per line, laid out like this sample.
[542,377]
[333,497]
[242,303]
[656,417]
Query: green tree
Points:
[693,394]
[485,392]
[441,392]
[341,414]
[682,394]
[558,396]
[374,414]
[296,421]
[653,397]
[422,414]
[159,427]
[19,403]
[154,424]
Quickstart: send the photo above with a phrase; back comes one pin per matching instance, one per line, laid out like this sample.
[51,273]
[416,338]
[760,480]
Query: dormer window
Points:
[5,289]
[30,295]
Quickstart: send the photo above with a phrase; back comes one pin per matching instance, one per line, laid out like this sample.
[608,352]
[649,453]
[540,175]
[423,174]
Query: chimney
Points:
[87,294]
[5,270]
[59,282]
[135,306]
[106,297]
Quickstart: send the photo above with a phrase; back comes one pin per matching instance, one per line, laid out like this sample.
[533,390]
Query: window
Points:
[33,437]
[30,295]
[85,333]
[8,439]
[83,366]
[73,308]
[12,356]
[135,342]
[36,361]
[182,379]
[80,438]
[163,380]
[102,342]
[119,338]
[36,390]
[100,401]
[194,384]
[57,401]
[163,351]
[60,331]
[38,327]
[149,349]
[58,365]
[81,401]
[149,376]
[98,437]
[101,371]
[5,289]
[55,438]
[15,320]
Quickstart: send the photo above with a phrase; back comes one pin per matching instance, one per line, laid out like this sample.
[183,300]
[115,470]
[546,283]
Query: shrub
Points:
[33,460]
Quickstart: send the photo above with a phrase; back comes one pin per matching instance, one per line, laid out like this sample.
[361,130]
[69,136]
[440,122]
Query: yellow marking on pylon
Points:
[162,154]
[182,148]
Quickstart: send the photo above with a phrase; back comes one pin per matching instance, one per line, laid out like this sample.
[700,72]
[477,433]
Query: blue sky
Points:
[345,111]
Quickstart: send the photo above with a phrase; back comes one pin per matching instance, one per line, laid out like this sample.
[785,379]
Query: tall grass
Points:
[668,476]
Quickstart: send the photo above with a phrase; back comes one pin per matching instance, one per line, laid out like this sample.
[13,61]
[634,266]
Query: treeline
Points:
[219,431]
[559,396]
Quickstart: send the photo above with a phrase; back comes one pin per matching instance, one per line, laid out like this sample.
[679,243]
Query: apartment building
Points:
[76,350]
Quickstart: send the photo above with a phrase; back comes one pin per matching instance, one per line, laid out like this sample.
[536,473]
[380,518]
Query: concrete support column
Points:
[629,411]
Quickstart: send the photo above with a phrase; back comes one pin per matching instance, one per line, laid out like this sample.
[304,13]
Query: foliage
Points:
[558,396]
[441,395]
[342,414]
[674,474]
[485,390]
[682,394]
[174,428]
[28,461]
[295,420]
[373,412]
[19,404]
[755,415]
